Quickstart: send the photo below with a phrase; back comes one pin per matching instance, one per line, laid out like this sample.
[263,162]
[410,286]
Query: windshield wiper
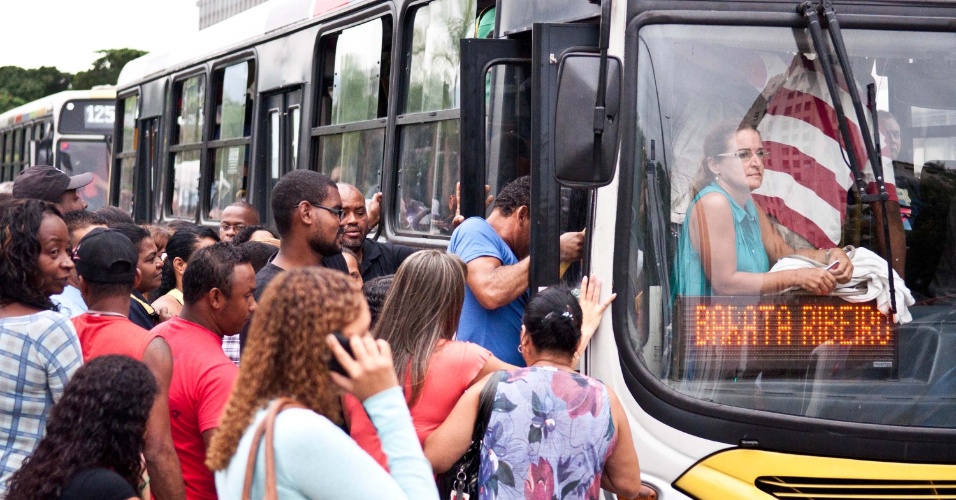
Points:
[809,11]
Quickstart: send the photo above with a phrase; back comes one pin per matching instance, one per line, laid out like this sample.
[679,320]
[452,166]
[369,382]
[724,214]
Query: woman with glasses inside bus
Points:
[727,244]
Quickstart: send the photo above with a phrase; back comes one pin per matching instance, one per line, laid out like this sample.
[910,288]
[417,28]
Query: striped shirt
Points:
[38,355]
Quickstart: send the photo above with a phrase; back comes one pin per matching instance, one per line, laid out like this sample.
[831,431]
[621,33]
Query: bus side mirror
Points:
[575,121]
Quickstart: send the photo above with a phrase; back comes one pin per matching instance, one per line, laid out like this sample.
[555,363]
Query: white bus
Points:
[759,396]
[70,130]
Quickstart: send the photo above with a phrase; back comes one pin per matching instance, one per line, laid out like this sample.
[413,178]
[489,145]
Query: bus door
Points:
[283,114]
[509,87]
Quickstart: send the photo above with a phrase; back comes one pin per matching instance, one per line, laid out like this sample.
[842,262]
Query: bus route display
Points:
[94,116]
[781,333]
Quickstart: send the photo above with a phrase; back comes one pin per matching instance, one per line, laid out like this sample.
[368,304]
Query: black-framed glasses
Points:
[338,212]
[746,154]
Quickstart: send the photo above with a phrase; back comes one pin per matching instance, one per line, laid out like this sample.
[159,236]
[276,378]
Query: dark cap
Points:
[47,183]
[106,256]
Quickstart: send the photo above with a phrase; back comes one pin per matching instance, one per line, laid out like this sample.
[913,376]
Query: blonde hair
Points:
[286,352]
[423,305]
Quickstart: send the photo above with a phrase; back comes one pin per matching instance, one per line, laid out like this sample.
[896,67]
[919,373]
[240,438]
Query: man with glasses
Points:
[308,214]
[235,218]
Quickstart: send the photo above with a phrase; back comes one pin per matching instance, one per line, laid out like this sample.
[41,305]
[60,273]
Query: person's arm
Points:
[374,210]
[777,249]
[372,380]
[450,440]
[64,356]
[492,365]
[713,235]
[496,285]
[622,471]
[591,311]
[162,463]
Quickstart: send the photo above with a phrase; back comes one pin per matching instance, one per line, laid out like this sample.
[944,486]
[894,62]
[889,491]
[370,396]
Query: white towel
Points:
[869,282]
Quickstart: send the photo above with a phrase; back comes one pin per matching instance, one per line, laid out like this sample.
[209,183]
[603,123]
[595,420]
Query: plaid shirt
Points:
[230,346]
[38,355]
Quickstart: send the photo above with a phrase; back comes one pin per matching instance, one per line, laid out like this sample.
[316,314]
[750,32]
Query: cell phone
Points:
[334,364]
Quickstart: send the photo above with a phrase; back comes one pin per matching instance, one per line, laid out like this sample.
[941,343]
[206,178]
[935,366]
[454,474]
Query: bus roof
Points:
[46,105]
[230,34]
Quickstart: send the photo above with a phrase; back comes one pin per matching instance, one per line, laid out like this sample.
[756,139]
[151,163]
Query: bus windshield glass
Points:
[757,262]
[78,157]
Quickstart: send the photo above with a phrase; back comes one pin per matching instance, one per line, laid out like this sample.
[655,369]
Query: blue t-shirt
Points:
[497,330]
[751,255]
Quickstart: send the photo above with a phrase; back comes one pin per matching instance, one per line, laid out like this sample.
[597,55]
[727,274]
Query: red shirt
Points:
[202,380]
[102,334]
[452,367]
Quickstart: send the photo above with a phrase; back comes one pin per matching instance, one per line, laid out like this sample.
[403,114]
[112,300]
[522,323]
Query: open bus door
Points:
[509,90]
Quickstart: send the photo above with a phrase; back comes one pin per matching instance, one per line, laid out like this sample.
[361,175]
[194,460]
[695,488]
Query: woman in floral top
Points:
[553,433]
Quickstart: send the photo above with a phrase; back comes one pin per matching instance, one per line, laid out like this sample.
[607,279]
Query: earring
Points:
[520,348]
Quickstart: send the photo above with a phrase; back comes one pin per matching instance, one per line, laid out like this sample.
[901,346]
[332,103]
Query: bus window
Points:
[17,149]
[8,155]
[126,156]
[741,116]
[78,157]
[187,141]
[429,128]
[234,86]
[508,125]
[354,91]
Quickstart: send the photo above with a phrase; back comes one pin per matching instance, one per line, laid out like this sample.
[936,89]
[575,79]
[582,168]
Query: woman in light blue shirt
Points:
[287,355]
[727,243]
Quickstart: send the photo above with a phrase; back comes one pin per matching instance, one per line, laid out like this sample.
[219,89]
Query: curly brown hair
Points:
[286,352]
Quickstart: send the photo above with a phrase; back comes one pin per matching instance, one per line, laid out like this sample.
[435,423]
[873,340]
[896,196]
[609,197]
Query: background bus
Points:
[70,130]
[411,97]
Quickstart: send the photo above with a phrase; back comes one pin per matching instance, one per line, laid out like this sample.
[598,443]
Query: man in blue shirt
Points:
[496,253]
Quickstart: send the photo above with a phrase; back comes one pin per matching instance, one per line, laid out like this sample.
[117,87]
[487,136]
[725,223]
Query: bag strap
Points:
[267,427]
[486,403]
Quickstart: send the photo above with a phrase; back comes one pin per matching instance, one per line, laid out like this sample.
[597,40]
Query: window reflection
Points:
[767,79]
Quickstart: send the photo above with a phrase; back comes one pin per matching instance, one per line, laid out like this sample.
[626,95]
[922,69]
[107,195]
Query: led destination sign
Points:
[781,332]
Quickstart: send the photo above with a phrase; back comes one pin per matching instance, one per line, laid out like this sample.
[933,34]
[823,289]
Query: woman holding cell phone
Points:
[287,355]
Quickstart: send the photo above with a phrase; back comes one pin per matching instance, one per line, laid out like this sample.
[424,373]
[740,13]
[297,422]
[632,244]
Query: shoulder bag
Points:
[460,482]
[267,427]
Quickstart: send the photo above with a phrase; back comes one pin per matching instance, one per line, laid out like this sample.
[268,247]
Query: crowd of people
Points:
[152,360]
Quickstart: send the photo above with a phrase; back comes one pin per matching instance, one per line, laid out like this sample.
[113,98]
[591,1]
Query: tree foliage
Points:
[106,69]
[20,85]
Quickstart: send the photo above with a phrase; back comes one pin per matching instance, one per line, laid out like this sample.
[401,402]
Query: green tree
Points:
[106,69]
[19,85]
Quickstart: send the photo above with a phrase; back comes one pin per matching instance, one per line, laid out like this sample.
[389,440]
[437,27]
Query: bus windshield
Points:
[78,157]
[749,216]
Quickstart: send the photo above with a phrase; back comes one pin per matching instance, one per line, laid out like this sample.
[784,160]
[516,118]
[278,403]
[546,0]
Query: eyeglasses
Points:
[226,226]
[338,212]
[746,154]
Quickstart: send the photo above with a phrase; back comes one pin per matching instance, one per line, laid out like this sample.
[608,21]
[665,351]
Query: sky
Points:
[67,33]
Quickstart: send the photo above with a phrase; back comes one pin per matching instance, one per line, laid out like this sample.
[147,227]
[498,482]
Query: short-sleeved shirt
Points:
[751,254]
[70,301]
[451,369]
[382,259]
[202,380]
[140,312]
[97,484]
[498,330]
[102,334]
[38,355]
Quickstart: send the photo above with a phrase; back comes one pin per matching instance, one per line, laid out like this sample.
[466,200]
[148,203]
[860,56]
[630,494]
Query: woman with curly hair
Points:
[94,438]
[287,355]
[180,247]
[39,345]
[418,320]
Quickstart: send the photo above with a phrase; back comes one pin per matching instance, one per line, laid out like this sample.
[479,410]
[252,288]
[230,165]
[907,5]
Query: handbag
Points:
[460,482]
[267,427]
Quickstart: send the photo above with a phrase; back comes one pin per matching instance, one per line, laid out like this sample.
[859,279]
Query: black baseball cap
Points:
[43,182]
[106,256]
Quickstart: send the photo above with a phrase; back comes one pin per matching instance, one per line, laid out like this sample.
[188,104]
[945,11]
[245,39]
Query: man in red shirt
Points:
[106,268]
[218,288]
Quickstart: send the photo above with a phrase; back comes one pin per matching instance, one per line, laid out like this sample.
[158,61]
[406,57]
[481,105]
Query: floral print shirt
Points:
[548,436]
